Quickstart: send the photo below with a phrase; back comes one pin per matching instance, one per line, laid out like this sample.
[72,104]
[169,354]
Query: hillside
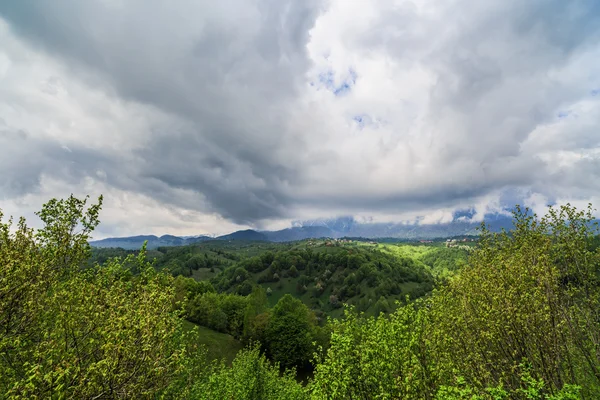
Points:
[220,346]
[327,274]
[324,274]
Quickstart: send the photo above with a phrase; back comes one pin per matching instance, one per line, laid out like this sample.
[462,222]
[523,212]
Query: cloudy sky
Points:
[208,116]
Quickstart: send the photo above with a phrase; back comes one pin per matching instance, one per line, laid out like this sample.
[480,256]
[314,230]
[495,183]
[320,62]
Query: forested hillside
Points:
[324,274]
[514,317]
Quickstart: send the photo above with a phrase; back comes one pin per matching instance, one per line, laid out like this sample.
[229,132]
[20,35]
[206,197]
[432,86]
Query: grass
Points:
[204,274]
[219,345]
[409,250]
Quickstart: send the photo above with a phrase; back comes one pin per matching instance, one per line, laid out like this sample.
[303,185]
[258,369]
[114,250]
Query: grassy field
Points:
[219,345]
[204,274]
[409,250]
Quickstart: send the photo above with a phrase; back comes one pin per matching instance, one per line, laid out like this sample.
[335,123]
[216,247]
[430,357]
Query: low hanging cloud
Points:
[200,117]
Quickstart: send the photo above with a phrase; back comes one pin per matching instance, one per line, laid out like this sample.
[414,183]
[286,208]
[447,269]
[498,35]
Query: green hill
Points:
[325,274]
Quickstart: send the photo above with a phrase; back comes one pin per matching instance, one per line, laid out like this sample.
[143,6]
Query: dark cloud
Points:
[25,159]
[229,69]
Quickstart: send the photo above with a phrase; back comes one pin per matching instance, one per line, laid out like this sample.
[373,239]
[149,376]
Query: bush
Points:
[250,377]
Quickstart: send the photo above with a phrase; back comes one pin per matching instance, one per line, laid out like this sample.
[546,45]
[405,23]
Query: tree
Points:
[256,316]
[533,295]
[520,321]
[250,377]
[376,357]
[245,288]
[188,288]
[196,262]
[206,310]
[289,332]
[70,332]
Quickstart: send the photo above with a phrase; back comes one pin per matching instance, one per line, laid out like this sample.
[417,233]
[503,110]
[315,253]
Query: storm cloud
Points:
[201,116]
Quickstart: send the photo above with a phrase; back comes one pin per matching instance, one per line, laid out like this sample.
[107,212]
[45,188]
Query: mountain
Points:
[247,234]
[348,227]
[333,228]
[136,242]
[298,233]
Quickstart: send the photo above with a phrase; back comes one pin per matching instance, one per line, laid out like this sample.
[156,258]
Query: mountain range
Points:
[331,228]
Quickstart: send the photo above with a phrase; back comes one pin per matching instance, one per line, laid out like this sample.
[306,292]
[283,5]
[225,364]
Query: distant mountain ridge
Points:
[248,234]
[136,242]
[333,228]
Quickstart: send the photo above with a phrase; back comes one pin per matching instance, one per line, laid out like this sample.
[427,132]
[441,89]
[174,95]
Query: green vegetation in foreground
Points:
[520,320]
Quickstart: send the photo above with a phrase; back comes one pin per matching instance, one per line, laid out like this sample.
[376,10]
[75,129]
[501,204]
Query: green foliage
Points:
[286,332]
[188,288]
[207,309]
[289,333]
[94,333]
[520,321]
[532,295]
[374,358]
[251,377]
[445,261]
[531,389]
[350,272]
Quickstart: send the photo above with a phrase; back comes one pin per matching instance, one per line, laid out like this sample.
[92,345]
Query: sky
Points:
[199,116]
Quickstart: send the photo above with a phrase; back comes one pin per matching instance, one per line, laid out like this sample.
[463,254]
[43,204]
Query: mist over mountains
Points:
[462,224]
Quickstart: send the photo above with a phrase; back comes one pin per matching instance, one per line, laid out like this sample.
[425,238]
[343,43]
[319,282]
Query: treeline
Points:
[519,321]
[213,255]
[445,260]
[186,260]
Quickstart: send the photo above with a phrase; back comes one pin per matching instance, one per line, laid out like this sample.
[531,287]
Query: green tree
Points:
[250,377]
[188,288]
[254,327]
[519,321]
[72,333]
[289,332]
[375,358]
[531,295]
[196,262]
[206,309]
